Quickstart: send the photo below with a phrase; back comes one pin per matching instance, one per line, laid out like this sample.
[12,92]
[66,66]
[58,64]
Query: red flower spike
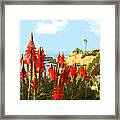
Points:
[39,52]
[30,53]
[67,69]
[43,53]
[64,75]
[53,73]
[57,93]
[58,58]
[63,78]
[22,74]
[73,72]
[50,69]
[83,72]
[40,61]
[62,59]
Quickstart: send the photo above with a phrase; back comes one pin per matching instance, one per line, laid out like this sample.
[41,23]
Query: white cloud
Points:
[50,26]
[94,26]
[94,29]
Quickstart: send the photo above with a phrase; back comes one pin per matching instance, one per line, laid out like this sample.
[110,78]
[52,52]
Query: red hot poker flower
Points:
[30,53]
[22,74]
[64,78]
[67,69]
[57,93]
[73,72]
[40,67]
[50,69]
[54,75]
[58,58]
[37,63]
[64,75]
[43,53]
[83,72]
[62,59]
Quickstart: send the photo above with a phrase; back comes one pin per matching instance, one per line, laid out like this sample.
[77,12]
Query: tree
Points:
[77,50]
[85,41]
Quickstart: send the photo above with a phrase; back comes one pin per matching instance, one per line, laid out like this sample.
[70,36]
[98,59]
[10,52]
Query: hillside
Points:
[79,57]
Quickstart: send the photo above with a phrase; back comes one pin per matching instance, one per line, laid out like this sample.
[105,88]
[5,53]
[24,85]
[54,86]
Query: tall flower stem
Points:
[58,82]
[34,95]
[29,84]
[85,89]
[40,76]
[34,79]
[29,91]
[22,90]
[23,78]
[72,88]
[28,75]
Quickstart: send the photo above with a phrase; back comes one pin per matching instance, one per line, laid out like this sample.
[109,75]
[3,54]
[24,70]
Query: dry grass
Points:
[76,58]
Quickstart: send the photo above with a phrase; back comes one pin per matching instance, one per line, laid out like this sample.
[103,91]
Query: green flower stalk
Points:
[33,83]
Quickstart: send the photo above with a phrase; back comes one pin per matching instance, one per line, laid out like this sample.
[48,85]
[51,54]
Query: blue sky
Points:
[60,35]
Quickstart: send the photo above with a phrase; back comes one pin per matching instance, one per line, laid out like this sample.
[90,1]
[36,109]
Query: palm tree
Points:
[85,41]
